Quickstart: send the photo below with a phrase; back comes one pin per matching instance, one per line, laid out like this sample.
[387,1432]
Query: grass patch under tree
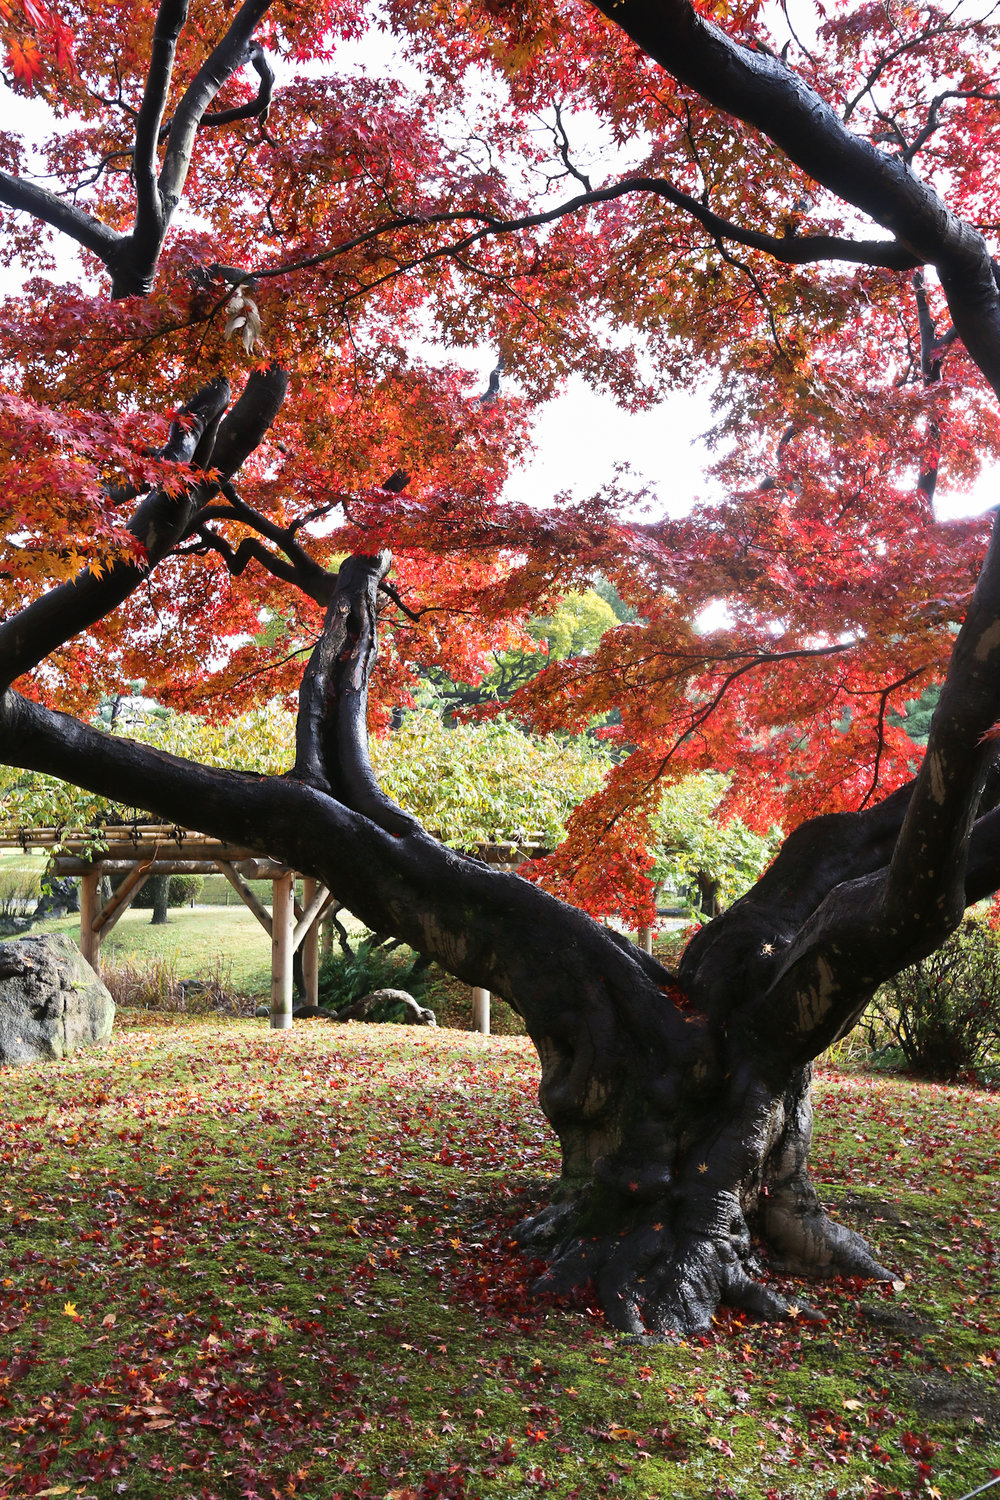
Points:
[237,1263]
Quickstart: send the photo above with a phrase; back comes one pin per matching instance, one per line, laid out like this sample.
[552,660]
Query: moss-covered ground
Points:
[238,1263]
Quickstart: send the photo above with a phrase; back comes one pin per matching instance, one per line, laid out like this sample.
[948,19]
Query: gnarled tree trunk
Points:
[681,1101]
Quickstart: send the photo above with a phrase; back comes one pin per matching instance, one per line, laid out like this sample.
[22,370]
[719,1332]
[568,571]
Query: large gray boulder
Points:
[51,1001]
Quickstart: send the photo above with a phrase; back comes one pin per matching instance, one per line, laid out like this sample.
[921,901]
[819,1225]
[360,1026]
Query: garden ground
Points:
[240,1263]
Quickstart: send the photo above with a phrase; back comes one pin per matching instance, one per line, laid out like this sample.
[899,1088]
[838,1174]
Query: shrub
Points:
[182,889]
[146,983]
[346,976]
[149,982]
[18,894]
[944,1012]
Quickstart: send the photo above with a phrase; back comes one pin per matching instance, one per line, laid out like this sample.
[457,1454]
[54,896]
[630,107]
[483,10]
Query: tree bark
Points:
[159,889]
[681,1101]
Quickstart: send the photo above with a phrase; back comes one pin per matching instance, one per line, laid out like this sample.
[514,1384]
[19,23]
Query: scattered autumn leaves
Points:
[236,1264]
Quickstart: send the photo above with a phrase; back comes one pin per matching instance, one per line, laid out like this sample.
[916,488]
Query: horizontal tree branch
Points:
[763,91]
[27,197]
[789,249]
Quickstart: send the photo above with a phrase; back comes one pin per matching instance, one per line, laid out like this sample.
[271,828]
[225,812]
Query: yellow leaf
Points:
[69,1310]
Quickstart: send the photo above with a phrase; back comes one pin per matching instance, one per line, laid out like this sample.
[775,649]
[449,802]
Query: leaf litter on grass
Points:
[290,1264]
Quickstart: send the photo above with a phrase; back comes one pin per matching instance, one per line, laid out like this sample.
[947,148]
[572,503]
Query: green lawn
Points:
[193,942]
[242,1264]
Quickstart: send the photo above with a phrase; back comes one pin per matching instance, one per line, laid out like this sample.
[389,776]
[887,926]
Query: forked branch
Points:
[132,257]
[331,743]
[201,436]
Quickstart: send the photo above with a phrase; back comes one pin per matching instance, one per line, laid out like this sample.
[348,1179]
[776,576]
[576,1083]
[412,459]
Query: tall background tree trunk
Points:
[159,889]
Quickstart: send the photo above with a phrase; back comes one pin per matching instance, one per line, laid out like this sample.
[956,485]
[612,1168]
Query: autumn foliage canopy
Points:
[379,199]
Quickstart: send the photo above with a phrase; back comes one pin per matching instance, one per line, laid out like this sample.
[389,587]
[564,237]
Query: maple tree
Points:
[779,223]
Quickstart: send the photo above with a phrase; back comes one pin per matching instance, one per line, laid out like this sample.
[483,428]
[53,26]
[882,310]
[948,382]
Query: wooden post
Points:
[282,926]
[310,944]
[481,1010]
[90,932]
[645,939]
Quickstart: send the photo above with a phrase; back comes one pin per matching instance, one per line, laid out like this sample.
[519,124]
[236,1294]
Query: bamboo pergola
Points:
[132,852]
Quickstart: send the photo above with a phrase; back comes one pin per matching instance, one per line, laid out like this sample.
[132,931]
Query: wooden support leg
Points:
[310,945]
[90,933]
[481,1011]
[282,927]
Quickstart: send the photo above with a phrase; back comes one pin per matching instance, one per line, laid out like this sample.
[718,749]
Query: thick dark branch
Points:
[134,258]
[826,872]
[930,355]
[254,108]
[486,926]
[331,739]
[159,523]
[874,924]
[737,952]
[147,235]
[27,197]
[250,549]
[930,371]
[233,805]
[238,559]
[227,58]
[760,89]
[927,875]
[315,579]
[245,426]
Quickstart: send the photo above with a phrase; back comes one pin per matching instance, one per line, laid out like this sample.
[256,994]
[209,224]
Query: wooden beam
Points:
[247,896]
[282,926]
[121,899]
[166,864]
[311,890]
[310,913]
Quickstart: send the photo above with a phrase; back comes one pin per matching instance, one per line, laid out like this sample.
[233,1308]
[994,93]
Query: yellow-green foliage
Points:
[467,784]
[693,839]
